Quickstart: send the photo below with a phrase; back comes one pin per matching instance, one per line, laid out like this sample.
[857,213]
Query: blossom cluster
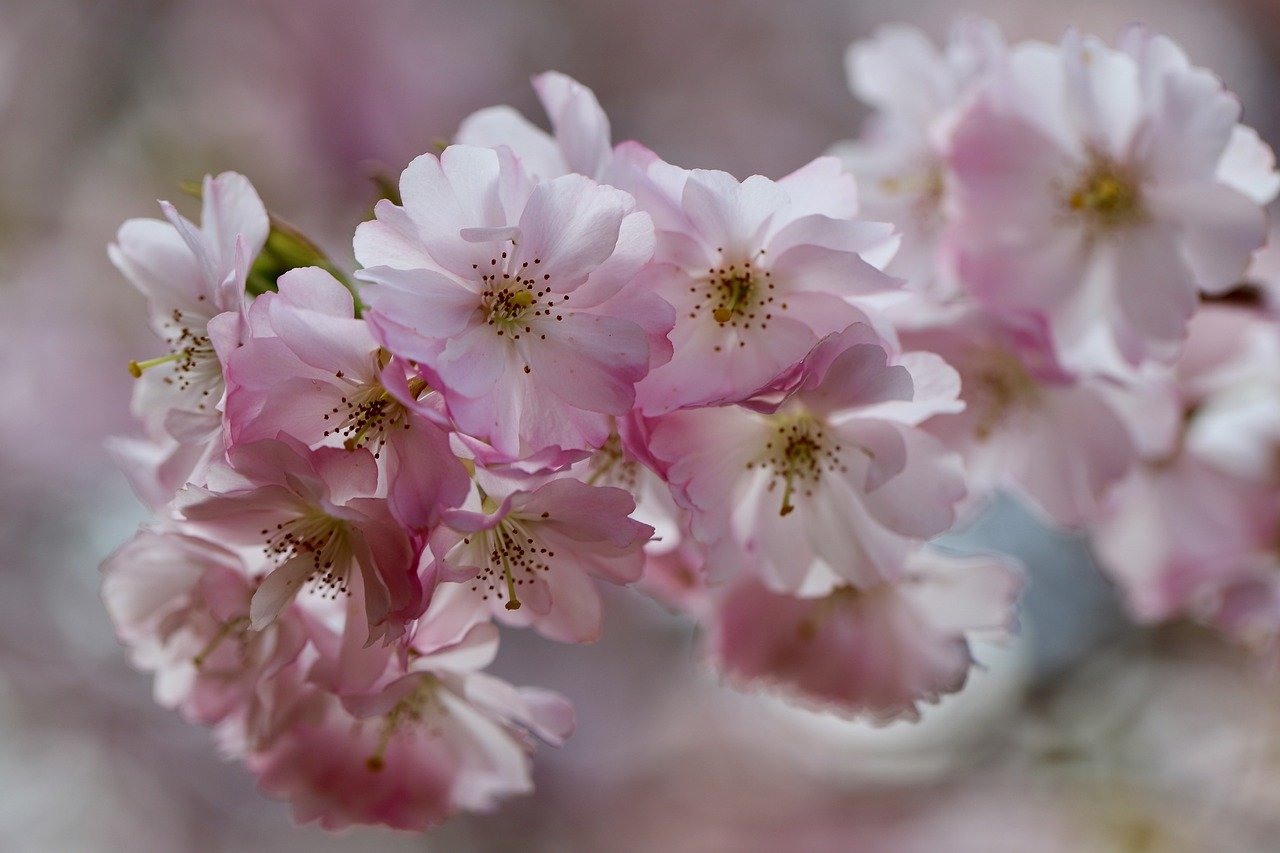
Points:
[564,360]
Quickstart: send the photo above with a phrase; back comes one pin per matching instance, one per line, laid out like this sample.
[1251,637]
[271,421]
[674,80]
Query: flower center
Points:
[925,189]
[739,296]
[610,465]
[797,455]
[412,709]
[999,386]
[513,298]
[1106,195]
[512,558]
[320,538]
[193,362]
[368,415]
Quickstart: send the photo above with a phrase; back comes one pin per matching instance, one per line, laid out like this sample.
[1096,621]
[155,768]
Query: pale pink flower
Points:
[529,555]
[441,737]
[833,484]
[1178,531]
[1193,531]
[1236,426]
[900,158]
[181,605]
[1104,188]
[757,270]
[193,278]
[312,371]
[580,141]
[880,650]
[315,520]
[1056,438]
[518,301]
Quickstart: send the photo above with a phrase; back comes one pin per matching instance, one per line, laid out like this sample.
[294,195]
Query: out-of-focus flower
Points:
[440,738]
[1059,438]
[182,606]
[1102,189]
[877,650]
[900,158]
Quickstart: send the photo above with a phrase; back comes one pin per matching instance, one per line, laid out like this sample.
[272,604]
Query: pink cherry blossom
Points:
[1057,438]
[312,371]
[757,270]
[1193,530]
[900,158]
[518,301]
[880,650]
[529,555]
[315,521]
[181,604]
[192,276]
[441,737]
[1103,188]
[834,484]
[580,141]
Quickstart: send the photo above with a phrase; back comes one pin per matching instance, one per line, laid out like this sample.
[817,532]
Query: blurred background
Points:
[1084,734]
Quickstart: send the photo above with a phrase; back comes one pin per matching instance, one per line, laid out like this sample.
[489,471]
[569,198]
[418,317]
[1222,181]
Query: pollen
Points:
[798,454]
[1000,386]
[738,296]
[320,538]
[517,304]
[1107,195]
[510,557]
[193,366]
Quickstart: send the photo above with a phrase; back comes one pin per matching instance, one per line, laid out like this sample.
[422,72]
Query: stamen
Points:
[137,367]
[798,455]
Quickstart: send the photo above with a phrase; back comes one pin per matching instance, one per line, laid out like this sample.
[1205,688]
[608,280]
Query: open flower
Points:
[519,302]
[192,276]
[834,484]
[181,604]
[880,650]
[440,737]
[312,371]
[529,555]
[316,523]
[757,270]
[1102,189]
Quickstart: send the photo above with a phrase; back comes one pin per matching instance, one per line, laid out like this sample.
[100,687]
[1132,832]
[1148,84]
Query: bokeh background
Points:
[1085,733]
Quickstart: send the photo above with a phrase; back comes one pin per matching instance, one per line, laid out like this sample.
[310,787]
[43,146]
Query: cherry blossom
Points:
[1193,531]
[1057,438]
[836,483]
[757,270]
[182,606]
[312,371]
[528,555]
[193,278]
[880,650]
[512,297]
[1103,188]
[316,523]
[900,158]
[440,737]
